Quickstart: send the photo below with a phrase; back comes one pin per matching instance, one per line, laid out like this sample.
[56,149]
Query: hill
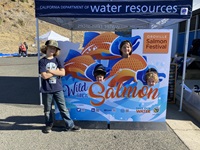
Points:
[18,24]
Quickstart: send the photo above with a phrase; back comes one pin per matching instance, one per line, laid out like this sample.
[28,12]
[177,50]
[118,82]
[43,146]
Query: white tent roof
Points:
[51,35]
[196,5]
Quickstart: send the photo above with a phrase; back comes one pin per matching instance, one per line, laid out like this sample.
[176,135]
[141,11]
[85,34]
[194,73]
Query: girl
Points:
[126,49]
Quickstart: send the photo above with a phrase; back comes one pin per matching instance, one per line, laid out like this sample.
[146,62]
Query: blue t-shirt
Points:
[53,84]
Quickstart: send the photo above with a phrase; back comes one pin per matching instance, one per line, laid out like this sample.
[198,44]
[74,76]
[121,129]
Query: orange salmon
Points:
[126,69]
[100,44]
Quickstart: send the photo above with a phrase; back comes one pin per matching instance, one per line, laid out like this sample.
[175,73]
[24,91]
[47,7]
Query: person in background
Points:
[22,50]
[126,49]
[151,77]
[26,45]
[99,73]
[51,70]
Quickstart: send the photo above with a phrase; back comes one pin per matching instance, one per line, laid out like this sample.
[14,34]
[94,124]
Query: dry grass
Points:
[18,24]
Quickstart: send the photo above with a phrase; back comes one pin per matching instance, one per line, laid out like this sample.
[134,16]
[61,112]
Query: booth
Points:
[124,96]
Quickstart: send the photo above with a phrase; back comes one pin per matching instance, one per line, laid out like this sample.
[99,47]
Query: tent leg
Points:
[184,62]
[38,50]
[71,36]
[196,26]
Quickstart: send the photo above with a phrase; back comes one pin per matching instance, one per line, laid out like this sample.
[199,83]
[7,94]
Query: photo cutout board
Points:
[124,95]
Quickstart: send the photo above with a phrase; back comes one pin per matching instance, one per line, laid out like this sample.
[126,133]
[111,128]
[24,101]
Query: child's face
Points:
[100,78]
[51,50]
[151,82]
[126,49]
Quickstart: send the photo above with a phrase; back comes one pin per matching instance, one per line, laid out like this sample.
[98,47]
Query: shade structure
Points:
[51,35]
[114,15]
[107,15]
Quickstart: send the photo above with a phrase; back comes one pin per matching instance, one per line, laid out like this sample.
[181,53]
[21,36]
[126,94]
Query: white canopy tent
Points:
[51,35]
[196,5]
[115,15]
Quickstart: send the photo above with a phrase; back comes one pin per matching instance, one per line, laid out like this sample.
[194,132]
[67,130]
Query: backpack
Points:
[22,47]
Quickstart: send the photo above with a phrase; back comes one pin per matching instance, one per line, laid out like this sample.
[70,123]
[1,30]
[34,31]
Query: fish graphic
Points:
[72,54]
[115,47]
[126,69]
[141,74]
[88,36]
[99,47]
[77,66]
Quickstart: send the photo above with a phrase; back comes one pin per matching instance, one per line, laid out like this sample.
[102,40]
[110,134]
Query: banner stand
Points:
[138,125]
[116,125]
[84,124]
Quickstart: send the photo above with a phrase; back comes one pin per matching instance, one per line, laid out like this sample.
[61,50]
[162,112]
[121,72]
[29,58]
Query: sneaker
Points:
[47,129]
[75,128]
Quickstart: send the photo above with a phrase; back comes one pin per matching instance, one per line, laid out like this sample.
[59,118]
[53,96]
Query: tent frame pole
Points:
[196,26]
[71,36]
[184,62]
[38,50]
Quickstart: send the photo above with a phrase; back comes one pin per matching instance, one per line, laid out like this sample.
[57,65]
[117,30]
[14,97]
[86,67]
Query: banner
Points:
[114,9]
[124,94]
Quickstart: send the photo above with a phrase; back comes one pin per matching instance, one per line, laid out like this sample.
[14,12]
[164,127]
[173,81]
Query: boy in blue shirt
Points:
[51,70]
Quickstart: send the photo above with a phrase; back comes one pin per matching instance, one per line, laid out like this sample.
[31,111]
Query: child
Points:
[51,70]
[26,45]
[22,50]
[126,49]
[151,77]
[99,73]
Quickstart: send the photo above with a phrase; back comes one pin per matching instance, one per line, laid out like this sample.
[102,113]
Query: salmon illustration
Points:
[99,46]
[77,66]
[126,69]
